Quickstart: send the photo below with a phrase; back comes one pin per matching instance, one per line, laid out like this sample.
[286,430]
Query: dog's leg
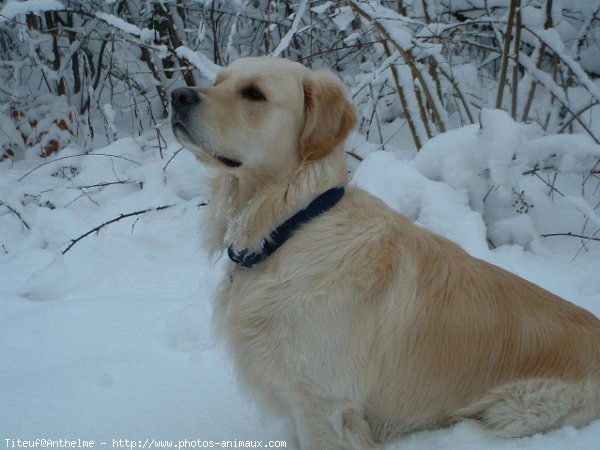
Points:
[533,406]
[322,426]
[357,431]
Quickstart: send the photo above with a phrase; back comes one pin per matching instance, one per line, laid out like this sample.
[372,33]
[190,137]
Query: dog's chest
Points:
[257,324]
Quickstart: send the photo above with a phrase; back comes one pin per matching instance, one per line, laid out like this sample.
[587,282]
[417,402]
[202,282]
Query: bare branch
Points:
[116,219]
[16,213]
[76,156]
[580,236]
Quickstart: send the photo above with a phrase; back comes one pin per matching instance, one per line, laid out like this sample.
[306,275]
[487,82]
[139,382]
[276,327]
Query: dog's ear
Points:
[329,115]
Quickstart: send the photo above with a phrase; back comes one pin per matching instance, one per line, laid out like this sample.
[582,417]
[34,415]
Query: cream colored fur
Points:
[363,326]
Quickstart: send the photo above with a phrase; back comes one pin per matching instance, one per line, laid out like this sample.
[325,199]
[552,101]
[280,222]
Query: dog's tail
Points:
[530,406]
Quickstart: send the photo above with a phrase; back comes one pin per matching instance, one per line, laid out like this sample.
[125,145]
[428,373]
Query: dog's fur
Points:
[363,326]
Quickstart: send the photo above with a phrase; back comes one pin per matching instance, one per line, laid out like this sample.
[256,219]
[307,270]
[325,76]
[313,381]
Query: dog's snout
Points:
[184,96]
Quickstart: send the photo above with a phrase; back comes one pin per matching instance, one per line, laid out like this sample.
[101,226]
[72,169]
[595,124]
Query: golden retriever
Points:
[337,309]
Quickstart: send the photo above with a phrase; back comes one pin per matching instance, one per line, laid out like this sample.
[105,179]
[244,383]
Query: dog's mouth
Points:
[184,137]
[229,162]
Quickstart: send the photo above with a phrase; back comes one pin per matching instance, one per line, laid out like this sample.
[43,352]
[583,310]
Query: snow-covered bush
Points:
[425,64]
[522,182]
[42,126]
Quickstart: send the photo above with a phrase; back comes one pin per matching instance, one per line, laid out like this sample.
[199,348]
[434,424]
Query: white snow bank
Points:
[113,340]
[508,170]
[431,204]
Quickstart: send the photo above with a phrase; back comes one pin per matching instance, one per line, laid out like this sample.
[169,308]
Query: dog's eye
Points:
[253,93]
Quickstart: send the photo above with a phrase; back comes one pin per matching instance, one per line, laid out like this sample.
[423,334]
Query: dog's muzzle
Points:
[183,99]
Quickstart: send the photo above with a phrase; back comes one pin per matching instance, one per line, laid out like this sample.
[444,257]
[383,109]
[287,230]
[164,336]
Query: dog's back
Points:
[465,338]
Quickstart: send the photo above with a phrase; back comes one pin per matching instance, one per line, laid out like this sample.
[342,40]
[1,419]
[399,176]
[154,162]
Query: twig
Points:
[354,155]
[565,125]
[16,213]
[116,219]
[548,82]
[359,45]
[551,186]
[75,156]
[164,169]
[507,39]
[100,185]
[591,172]
[406,56]
[540,59]
[515,74]
[584,243]
[455,84]
[493,188]
[589,238]
[409,118]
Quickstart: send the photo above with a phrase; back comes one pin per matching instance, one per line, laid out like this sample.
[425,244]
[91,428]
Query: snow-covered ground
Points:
[113,339]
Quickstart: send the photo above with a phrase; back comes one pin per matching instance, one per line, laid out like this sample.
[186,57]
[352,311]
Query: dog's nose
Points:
[184,96]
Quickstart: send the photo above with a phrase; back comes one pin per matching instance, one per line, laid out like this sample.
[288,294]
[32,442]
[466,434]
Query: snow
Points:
[322,8]
[393,23]
[285,41]
[432,204]
[113,339]
[144,34]
[110,336]
[552,39]
[13,9]
[343,18]
[407,84]
[209,69]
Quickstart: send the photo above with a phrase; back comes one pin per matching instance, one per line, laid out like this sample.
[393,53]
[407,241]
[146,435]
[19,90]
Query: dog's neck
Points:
[243,212]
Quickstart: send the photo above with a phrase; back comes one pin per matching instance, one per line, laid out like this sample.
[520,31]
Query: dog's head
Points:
[265,115]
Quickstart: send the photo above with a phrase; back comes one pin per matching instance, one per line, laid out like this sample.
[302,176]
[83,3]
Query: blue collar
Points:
[282,233]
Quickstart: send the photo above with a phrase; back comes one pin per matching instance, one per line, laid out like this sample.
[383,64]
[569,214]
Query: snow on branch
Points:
[94,56]
[13,8]
[285,41]
[548,82]
[408,87]
[553,41]
[145,34]
[394,29]
[209,69]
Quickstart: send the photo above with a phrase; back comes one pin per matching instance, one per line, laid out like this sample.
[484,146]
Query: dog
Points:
[341,312]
